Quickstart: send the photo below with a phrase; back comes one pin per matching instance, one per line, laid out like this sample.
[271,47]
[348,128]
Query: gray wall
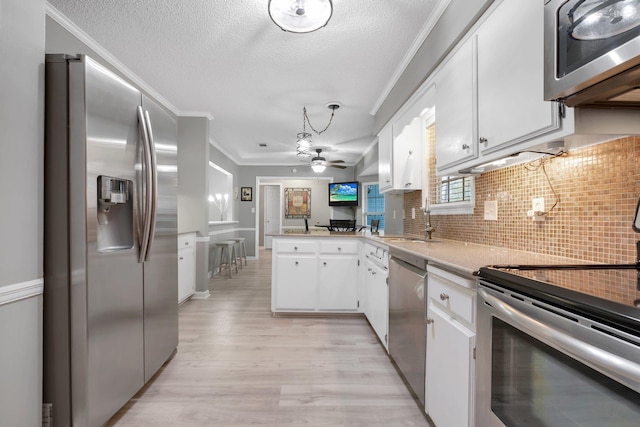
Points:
[226,231]
[59,40]
[22,129]
[247,178]
[459,16]
[193,189]
[21,189]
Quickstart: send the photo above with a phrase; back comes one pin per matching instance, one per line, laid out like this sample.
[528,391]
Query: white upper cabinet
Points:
[401,144]
[489,92]
[455,114]
[511,106]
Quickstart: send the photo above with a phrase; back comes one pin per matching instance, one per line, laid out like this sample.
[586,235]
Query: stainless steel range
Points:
[550,356]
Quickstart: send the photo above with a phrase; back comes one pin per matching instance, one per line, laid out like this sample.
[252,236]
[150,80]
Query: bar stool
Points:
[241,250]
[227,249]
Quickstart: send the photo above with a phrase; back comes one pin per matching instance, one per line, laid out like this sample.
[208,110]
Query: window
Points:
[374,202]
[452,189]
[448,195]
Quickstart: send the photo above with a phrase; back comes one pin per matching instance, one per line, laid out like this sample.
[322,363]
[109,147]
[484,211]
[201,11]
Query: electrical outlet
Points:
[413,213]
[537,205]
[491,210]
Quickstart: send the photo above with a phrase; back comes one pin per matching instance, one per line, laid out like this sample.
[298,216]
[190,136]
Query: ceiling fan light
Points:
[300,16]
[318,167]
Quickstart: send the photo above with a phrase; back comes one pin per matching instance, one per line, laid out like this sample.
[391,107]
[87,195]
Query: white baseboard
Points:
[201,295]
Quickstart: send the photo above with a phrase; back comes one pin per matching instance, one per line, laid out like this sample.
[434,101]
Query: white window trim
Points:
[457,208]
[365,199]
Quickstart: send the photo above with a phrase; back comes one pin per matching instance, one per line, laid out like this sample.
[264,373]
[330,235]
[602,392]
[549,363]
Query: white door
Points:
[271,213]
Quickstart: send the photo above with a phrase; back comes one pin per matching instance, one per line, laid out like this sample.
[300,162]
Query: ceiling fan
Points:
[319,163]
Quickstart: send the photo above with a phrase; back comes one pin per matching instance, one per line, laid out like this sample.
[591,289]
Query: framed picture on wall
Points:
[297,203]
[246,194]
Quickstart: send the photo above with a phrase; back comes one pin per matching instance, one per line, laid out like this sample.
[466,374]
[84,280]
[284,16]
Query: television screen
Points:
[344,193]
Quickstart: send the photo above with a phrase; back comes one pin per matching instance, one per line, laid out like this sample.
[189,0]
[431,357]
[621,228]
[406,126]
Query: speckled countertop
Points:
[619,286]
[460,257]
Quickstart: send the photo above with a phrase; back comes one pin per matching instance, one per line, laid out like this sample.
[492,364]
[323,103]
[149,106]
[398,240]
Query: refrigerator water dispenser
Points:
[115,214]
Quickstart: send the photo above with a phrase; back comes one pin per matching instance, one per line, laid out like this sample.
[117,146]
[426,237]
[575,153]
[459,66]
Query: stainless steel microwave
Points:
[592,52]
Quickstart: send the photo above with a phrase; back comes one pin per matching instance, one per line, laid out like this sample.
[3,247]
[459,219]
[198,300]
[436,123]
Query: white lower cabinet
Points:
[338,282]
[310,275]
[296,281]
[376,300]
[449,370]
[450,362]
[186,266]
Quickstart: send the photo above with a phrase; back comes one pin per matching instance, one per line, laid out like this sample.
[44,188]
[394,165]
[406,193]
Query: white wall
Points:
[21,183]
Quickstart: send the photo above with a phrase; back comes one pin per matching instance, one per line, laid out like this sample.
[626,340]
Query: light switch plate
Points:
[491,210]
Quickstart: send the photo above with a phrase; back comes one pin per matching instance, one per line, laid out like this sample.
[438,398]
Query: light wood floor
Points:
[237,365]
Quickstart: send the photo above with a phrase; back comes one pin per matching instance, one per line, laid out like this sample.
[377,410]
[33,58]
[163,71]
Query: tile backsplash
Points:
[596,189]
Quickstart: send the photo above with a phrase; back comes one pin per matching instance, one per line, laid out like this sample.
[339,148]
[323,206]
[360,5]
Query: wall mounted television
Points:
[344,193]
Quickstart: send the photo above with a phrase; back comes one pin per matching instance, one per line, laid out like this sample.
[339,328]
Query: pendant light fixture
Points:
[300,16]
[304,144]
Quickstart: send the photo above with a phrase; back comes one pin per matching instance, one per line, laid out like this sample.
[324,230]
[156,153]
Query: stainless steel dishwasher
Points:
[407,315]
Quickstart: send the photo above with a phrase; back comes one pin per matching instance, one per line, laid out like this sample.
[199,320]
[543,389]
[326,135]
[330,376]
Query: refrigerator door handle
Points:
[146,187]
[154,185]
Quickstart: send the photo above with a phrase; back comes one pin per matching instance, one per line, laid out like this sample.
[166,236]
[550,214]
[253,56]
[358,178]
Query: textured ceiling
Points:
[228,59]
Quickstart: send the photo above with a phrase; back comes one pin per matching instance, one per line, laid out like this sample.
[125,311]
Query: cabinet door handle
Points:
[295,248]
[428,320]
[465,146]
[339,249]
[444,297]
[296,262]
[186,243]
[483,140]
[181,258]
[373,273]
[324,263]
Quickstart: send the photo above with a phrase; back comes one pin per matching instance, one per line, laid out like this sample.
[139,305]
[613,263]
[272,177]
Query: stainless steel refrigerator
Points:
[110,257]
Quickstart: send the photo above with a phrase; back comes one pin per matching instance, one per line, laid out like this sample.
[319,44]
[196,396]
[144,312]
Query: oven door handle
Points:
[618,368]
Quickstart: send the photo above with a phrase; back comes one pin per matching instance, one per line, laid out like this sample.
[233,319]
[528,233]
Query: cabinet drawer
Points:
[295,246]
[339,247]
[455,299]
[186,241]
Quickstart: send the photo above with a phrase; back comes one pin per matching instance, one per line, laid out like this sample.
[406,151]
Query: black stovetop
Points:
[610,292]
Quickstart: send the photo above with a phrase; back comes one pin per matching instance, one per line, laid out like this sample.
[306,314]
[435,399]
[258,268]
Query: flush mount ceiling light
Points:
[300,16]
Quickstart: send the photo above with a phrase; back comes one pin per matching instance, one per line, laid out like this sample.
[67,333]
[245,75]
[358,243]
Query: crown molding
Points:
[438,10]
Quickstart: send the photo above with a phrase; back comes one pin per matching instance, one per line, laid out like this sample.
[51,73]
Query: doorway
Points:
[271,215]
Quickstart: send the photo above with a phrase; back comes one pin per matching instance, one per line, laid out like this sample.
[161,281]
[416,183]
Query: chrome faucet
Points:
[428,229]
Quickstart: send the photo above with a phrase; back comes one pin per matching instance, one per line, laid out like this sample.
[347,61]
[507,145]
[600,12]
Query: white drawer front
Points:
[295,246]
[186,241]
[454,298]
[339,247]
